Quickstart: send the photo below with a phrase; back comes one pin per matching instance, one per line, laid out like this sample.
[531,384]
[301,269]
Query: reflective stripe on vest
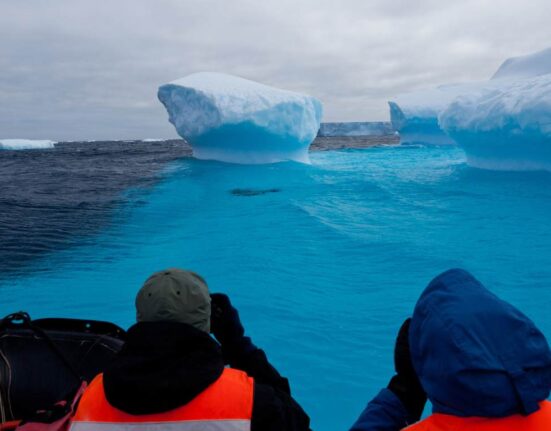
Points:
[537,421]
[226,405]
[212,425]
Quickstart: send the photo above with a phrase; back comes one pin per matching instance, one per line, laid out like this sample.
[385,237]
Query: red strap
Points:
[9,426]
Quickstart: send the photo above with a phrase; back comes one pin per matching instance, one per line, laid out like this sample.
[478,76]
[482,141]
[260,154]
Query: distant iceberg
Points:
[376,128]
[415,115]
[25,144]
[232,119]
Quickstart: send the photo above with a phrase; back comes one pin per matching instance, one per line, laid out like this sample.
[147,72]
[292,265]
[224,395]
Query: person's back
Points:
[482,363]
[227,404]
[171,374]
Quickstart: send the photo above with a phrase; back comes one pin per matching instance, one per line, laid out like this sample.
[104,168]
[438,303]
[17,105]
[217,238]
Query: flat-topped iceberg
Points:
[26,144]
[232,119]
[376,128]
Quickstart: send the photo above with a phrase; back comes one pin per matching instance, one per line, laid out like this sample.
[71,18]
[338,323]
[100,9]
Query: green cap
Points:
[175,295]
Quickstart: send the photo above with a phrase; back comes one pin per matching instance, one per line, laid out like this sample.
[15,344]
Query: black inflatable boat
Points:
[43,360]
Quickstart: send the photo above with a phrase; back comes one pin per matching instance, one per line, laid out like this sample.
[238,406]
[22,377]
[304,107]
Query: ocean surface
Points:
[324,261]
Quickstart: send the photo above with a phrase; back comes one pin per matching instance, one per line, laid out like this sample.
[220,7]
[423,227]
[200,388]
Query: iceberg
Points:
[526,66]
[505,125]
[235,120]
[414,115]
[26,144]
[376,128]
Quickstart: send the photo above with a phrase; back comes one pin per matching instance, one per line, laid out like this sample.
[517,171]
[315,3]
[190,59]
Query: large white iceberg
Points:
[235,120]
[26,144]
[505,124]
[415,115]
[502,123]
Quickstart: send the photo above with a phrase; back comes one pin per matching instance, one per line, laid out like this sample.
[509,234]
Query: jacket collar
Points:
[162,366]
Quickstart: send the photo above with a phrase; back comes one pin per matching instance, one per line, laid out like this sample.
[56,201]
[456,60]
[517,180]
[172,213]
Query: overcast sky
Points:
[90,69]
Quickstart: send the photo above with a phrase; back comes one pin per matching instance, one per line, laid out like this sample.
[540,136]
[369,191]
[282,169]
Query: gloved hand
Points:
[226,326]
[405,384]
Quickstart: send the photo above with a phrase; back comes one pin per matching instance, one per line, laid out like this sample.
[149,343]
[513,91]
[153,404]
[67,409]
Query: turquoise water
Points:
[324,266]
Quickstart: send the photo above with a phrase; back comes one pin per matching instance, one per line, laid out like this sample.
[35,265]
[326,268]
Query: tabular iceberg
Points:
[25,144]
[375,128]
[235,120]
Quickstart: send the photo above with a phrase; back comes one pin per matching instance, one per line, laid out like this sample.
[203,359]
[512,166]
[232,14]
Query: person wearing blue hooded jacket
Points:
[482,363]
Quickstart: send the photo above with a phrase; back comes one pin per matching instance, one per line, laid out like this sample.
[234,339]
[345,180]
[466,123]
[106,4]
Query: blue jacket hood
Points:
[475,354]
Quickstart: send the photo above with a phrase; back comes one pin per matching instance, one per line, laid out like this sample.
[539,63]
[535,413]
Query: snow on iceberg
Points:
[25,144]
[505,124]
[526,66]
[235,120]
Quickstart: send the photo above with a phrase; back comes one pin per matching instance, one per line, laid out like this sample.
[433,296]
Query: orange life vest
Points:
[537,421]
[226,405]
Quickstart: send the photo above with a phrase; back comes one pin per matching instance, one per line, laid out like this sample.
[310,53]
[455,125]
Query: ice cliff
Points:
[376,128]
[232,119]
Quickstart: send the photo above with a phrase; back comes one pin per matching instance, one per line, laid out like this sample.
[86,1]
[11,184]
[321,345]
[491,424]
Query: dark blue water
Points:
[323,261]
[57,198]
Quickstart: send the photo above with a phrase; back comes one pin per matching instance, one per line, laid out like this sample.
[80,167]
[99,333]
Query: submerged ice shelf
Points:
[502,123]
[232,119]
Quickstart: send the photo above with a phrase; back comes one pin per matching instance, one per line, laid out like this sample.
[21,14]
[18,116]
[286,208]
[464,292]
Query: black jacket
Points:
[164,365]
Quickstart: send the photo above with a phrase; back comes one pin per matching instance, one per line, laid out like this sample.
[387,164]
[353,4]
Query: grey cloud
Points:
[76,69]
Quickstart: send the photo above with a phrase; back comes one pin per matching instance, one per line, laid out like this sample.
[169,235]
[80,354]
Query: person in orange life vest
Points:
[482,363]
[171,373]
